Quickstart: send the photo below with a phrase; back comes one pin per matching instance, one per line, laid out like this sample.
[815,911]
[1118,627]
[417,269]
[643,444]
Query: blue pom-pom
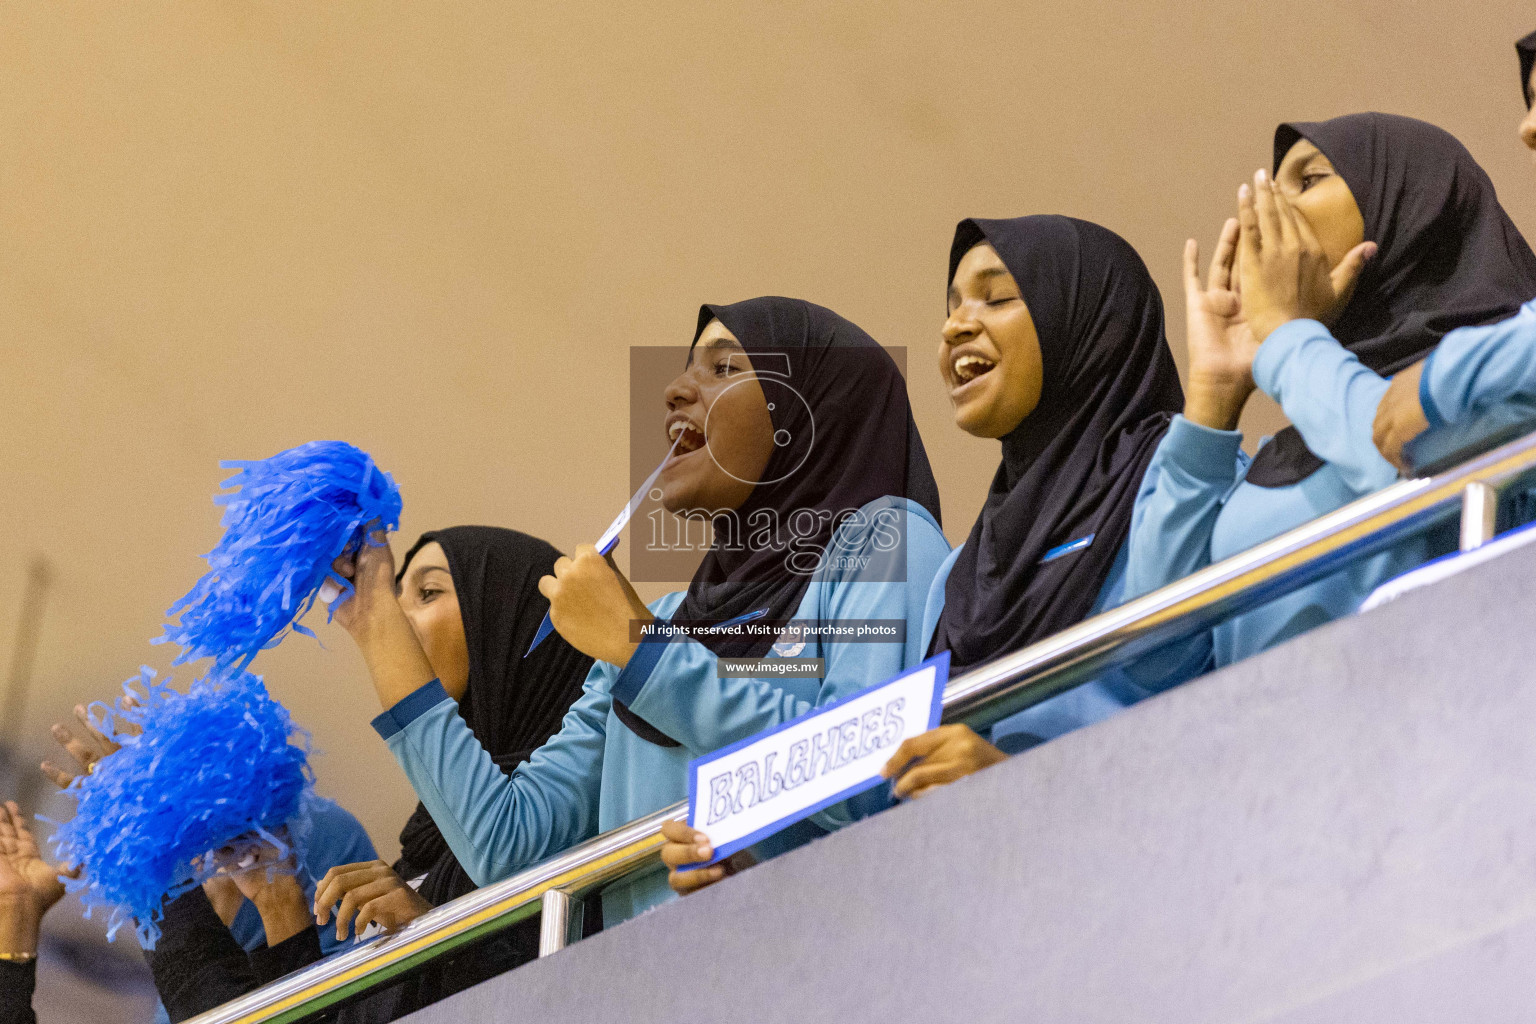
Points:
[290,518]
[216,767]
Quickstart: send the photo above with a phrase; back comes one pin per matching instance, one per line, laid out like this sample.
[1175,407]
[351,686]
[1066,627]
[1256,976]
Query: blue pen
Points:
[742,618]
[1066,549]
[610,538]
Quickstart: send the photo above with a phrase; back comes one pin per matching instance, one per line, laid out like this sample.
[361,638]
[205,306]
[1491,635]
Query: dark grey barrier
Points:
[1341,829]
[1020,679]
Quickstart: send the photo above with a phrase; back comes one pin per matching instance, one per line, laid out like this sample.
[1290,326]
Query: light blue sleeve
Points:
[1193,471]
[1072,709]
[1056,715]
[1475,369]
[1330,397]
[1182,490]
[495,824]
[684,698]
[1115,690]
[934,609]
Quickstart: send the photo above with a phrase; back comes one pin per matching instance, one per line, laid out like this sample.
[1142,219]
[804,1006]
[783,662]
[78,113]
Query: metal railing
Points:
[1019,680]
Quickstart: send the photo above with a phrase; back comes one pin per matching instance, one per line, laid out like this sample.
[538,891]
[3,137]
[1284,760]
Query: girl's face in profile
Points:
[431,604]
[989,357]
[1320,194]
[717,414]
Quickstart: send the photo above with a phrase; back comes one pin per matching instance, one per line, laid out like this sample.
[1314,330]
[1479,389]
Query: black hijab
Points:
[1526,48]
[850,438]
[1448,257]
[1072,468]
[513,704]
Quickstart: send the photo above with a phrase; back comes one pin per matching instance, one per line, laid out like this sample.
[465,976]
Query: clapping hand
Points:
[1285,272]
[1221,346]
[29,885]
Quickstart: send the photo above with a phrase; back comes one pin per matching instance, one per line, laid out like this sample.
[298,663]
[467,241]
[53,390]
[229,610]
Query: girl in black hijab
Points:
[1054,344]
[1526,48]
[794,436]
[511,704]
[1377,241]
[1071,467]
[471,596]
[468,598]
[861,420]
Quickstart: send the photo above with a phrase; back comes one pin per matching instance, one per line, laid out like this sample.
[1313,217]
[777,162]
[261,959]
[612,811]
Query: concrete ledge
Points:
[1345,823]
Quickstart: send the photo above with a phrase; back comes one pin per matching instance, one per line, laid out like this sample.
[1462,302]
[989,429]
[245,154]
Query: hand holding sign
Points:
[937,758]
[752,789]
[685,847]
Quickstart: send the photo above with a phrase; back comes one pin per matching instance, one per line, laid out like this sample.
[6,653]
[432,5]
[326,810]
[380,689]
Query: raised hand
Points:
[253,869]
[86,749]
[226,897]
[268,880]
[23,871]
[371,571]
[29,885]
[1285,273]
[1221,346]
[375,621]
[372,892]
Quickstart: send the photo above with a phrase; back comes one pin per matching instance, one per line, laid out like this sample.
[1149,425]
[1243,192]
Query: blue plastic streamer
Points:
[222,766]
[291,516]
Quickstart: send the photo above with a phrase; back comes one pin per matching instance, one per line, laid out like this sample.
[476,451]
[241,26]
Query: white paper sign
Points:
[751,789]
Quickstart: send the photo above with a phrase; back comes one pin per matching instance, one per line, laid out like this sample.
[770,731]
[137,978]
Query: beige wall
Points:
[433,229]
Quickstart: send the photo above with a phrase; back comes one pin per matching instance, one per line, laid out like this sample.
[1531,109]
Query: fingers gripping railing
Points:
[1011,683]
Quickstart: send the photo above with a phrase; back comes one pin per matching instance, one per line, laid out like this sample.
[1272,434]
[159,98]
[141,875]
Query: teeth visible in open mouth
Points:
[969,367]
[691,439]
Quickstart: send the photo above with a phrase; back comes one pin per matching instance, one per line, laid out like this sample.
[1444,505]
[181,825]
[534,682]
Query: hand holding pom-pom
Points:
[374,619]
[267,876]
[213,767]
[290,516]
[373,605]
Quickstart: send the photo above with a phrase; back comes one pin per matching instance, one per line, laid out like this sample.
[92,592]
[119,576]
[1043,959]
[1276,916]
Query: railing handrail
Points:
[1026,677]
